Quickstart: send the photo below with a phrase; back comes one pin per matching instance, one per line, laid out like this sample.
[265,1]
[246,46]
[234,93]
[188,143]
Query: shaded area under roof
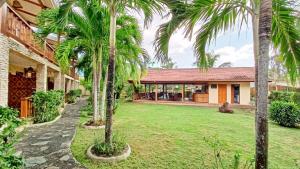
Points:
[195,75]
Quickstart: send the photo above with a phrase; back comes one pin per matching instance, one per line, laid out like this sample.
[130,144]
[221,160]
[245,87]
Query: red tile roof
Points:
[195,75]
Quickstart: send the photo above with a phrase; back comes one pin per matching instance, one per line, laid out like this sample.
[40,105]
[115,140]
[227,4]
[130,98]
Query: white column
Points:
[63,81]
[4,70]
[41,78]
[57,80]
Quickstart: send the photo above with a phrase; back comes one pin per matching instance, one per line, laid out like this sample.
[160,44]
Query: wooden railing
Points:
[26,107]
[14,26]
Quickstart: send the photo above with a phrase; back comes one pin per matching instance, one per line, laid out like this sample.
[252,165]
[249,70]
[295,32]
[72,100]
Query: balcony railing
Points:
[14,26]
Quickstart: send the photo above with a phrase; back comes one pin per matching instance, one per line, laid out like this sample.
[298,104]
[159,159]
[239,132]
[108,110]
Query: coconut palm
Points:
[147,7]
[265,24]
[217,16]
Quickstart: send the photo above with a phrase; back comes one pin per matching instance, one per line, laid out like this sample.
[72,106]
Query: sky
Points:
[233,46]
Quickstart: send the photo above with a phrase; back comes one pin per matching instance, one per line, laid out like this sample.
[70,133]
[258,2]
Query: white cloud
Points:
[242,56]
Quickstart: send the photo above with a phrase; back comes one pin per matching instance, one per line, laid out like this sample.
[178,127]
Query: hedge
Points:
[285,113]
[46,105]
[285,96]
[72,95]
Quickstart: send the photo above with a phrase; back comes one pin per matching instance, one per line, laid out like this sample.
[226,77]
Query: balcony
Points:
[14,26]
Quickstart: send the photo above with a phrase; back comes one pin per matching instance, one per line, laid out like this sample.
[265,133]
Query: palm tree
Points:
[265,24]
[217,16]
[211,59]
[85,28]
[116,7]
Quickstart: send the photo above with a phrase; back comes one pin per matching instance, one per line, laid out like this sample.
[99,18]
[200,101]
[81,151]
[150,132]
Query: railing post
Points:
[3,14]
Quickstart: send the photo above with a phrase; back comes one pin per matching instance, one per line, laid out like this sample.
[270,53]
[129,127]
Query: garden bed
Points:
[91,153]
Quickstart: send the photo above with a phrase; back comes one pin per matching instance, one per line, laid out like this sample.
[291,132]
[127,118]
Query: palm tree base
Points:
[92,125]
[111,159]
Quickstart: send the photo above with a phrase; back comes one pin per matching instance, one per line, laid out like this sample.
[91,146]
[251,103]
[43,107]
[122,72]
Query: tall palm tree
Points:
[265,24]
[85,28]
[216,16]
[211,59]
[148,7]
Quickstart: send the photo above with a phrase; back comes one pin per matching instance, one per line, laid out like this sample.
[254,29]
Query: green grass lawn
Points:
[163,136]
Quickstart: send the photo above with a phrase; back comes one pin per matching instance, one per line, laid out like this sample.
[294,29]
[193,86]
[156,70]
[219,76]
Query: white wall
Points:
[212,94]
[245,93]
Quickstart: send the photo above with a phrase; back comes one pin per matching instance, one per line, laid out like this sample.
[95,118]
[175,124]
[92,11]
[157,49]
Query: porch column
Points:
[182,92]
[4,68]
[69,85]
[57,81]
[41,77]
[156,90]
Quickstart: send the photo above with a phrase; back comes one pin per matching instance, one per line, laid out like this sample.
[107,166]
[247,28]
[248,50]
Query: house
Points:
[27,66]
[215,85]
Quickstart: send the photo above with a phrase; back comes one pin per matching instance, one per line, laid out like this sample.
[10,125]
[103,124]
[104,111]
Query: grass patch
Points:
[164,136]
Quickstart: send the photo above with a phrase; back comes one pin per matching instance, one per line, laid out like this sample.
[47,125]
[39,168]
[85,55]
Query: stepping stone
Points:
[45,138]
[65,158]
[52,167]
[44,148]
[40,143]
[33,161]
[65,135]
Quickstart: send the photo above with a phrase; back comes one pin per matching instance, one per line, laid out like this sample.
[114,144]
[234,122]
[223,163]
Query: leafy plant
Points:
[46,105]
[219,163]
[87,110]
[103,149]
[282,96]
[9,122]
[285,113]
[72,95]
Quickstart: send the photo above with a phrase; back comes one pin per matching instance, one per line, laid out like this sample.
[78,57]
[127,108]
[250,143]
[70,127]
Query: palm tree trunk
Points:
[255,21]
[99,77]
[95,91]
[265,21]
[102,110]
[111,74]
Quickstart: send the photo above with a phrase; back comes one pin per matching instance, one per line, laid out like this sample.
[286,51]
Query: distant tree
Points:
[211,59]
[225,64]
[169,64]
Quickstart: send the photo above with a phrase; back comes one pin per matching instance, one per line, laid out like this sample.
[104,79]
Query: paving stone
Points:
[48,147]
[65,158]
[33,161]
[40,143]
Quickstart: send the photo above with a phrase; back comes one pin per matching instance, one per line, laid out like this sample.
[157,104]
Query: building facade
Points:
[213,86]
[27,66]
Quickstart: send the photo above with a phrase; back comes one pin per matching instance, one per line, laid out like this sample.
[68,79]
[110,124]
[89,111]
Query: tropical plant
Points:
[8,123]
[261,119]
[211,60]
[148,7]
[86,30]
[168,64]
[46,105]
[220,15]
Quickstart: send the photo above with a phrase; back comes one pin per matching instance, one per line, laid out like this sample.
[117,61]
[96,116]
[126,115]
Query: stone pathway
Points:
[48,147]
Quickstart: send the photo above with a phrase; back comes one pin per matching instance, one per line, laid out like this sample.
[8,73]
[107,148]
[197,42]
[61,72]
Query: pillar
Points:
[182,92]
[4,70]
[69,85]
[57,81]
[41,77]
[156,91]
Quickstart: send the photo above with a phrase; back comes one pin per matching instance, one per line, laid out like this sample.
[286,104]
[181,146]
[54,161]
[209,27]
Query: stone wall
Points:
[4,68]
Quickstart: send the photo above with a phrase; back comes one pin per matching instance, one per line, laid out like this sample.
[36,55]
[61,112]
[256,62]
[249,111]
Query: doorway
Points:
[235,94]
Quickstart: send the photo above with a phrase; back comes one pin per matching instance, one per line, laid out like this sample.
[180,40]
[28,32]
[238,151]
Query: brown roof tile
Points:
[195,75]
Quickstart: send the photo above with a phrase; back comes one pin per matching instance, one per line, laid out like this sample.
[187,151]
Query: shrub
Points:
[281,96]
[72,95]
[9,122]
[102,149]
[87,110]
[46,105]
[296,98]
[285,113]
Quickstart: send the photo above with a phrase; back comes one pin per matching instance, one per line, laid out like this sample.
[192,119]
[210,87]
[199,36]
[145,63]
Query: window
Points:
[213,86]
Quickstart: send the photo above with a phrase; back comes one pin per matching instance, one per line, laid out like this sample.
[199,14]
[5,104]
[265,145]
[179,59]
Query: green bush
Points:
[281,96]
[72,95]
[102,149]
[87,110]
[9,122]
[46,105]
[285,113]
[296,98]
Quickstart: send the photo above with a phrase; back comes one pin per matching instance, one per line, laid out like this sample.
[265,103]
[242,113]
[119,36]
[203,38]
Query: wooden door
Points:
[222,93]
